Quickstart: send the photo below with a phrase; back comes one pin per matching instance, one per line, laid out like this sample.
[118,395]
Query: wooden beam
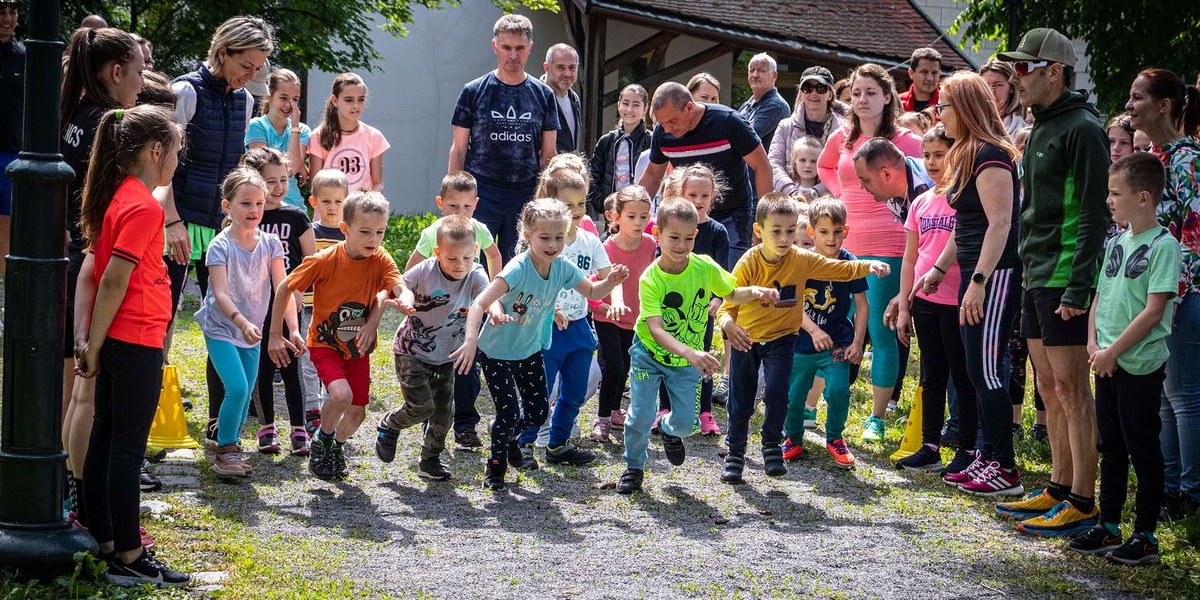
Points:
[593,79]
[655,43]
[653,80]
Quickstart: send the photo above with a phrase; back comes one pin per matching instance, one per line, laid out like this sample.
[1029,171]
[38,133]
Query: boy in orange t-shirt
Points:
[352,281]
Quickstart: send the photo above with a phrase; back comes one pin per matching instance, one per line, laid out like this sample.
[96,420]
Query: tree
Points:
[1123,36]
[331,35]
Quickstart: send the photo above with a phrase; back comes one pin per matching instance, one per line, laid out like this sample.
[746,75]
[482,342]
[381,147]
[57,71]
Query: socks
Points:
[1058,491]
[1113,529]
[1082,504]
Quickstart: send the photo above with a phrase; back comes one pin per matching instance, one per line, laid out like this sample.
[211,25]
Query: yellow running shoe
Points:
[1035,504]
[1062,520]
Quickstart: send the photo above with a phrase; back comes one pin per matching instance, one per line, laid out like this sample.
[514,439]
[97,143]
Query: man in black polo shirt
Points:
[12,92]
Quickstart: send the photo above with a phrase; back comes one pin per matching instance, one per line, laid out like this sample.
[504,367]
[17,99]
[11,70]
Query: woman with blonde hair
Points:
[998,75]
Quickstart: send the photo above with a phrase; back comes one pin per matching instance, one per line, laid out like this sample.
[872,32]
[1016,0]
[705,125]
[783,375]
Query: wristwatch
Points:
[979,278]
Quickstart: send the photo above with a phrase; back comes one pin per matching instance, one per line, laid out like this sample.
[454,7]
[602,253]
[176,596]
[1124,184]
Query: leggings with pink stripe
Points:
[986,346]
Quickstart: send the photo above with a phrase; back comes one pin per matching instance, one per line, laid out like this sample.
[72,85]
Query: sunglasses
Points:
[1025,67]
[938,108]
[819,88]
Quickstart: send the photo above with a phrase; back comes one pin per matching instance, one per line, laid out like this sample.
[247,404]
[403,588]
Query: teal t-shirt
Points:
[682,302]
[530,300]
[261,130]
[428,238]
[1136,266]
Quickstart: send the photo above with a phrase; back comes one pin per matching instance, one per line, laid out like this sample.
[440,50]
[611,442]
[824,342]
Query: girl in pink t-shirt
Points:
[628,210]
[345,143]
[929,227]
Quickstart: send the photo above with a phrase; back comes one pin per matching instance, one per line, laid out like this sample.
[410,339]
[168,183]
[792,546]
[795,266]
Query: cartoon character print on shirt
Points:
[340,328]
[520,306]
[458,323]
[426,303]
[686,323]
[418,336]
[350,161]
[569,300]
[819,303]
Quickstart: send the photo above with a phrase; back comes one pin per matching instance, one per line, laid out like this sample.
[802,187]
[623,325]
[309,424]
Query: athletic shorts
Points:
[331,367]
[1038,321]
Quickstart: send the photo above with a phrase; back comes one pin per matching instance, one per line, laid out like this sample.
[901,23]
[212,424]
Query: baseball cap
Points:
[257,86]
[1043,43]
[817,74]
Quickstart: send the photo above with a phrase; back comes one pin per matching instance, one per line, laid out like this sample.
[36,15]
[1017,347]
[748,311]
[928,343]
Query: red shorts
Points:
[331,367]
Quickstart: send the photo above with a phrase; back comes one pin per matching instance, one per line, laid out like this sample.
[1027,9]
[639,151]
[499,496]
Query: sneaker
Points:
[1064,520]
[1035,504]
[268,440]
[433,469]
[493,475]
[528,462]
[949,438]
[892,405]
[467,439]
[1018,432]
[924,459]
[842,457]
[791,450]
[708,424]
[228,462]
[300,442]
[1097,540]
[873,430]
[341,468]
[312,422]
[720,393]
[773,464]
[601,431]
[569,454]
[1039,433]
[145,569]
[673,447]
[731,472]
[320,459]
[1177,507]
[147,541]
[617,419]
[630,481]
[147,481]
[385,442]
[810,417]
[210,434]
[994,481]
[1138,550]
[654,428]
[962,468]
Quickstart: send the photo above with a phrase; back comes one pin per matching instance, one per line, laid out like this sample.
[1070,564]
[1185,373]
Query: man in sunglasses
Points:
[1063,223]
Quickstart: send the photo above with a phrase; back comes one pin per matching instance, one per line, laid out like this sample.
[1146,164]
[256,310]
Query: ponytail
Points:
[331,127]
[89,51]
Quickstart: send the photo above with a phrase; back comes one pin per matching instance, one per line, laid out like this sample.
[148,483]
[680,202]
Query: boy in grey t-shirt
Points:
[443,286]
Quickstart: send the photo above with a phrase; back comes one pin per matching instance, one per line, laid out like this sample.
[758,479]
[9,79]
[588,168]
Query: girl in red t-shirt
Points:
[135,151]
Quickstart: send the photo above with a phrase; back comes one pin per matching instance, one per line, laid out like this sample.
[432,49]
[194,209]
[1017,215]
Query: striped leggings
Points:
[986,346]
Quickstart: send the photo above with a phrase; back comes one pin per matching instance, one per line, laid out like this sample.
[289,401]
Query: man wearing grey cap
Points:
[1063,224]
[815,116]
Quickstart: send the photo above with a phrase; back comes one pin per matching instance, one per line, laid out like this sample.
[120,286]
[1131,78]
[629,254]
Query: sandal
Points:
[300,442]
[268,440]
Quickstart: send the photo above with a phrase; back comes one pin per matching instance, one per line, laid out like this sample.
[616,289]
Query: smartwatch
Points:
[979,278]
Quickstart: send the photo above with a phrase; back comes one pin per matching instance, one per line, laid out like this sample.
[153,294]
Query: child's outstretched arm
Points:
[414,259]
[109,295]
[750,293]
[486,302]
[595,290]
[704,362]
[1104,360]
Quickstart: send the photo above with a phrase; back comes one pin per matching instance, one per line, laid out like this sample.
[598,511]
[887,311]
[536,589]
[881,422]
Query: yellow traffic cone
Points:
[911,442]
[169,429]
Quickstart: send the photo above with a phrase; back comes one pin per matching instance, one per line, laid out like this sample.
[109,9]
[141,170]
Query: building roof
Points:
[881,31]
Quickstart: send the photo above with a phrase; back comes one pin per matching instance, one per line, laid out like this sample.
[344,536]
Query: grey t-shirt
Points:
[439,325]
[249,279]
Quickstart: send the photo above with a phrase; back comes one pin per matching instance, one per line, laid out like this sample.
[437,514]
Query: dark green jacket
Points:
[1065,213]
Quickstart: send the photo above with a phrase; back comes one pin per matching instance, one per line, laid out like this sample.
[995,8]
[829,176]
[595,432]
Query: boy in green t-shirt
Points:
[1127,345]
[669,337]
[458,197]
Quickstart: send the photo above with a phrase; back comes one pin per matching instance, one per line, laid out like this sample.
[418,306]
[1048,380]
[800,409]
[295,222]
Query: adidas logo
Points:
[512,115]
[514,123]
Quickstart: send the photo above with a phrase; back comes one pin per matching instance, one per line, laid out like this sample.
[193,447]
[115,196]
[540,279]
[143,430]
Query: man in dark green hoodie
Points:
[1063,224]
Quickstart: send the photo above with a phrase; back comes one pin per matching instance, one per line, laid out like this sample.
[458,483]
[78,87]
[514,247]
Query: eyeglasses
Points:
[819,88]
[1025,67]
[938,108]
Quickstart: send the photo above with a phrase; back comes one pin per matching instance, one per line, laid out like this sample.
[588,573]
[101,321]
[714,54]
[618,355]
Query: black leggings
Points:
[504,379]
[1018,353]
[614,361]
[292,390]
[986,348]
[127,391]
[178,274]
[704,401]
[942,359]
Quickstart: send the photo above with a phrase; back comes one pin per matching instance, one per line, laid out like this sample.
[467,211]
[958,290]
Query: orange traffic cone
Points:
[169,429]
[911,442]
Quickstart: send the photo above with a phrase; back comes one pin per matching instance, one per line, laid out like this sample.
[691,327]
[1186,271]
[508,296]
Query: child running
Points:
[1127,346]
[135,151]
[346,143]
[520,304]
[443,288]
[458,196]
[328,191]
[674,297]
[929,227]
[764,333]
[628,244]
[352,281]
[291,225]
[244,263]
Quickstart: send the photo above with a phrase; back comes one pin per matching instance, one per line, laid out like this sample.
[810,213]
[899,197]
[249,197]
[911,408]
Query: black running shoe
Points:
[493,475]
[320,458]
[673,446]
[962,459]
[341,469]
[528,462]
[148,482]
[773,464]
[569,454]
[385,443]
[1097,540]
[1136,551]
[731,473]
[1039,433]
[145,569]
[467,439]
[630,481]
[433,469]
[924,459]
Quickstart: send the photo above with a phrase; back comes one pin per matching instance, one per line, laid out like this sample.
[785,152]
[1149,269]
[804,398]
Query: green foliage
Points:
[331,36]
[85,582]
[402,234]
[1124,36]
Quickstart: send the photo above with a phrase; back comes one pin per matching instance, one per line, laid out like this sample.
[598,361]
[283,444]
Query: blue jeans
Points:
[738,225]
[238,369]
[1180,411]
[776,358]
[644,378]
[500,208]
[805,368]
[569,359]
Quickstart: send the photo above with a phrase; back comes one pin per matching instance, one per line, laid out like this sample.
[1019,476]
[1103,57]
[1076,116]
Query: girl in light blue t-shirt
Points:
[280,128]
[520,305]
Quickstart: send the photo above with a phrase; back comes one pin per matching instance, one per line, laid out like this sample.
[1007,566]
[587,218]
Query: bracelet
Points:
[295,130]
[173,223]
[939,269]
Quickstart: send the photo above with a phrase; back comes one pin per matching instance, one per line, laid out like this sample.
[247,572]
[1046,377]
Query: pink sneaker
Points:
[617,420]
[994,481]
[965,475]
[654,427]
[708,424]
